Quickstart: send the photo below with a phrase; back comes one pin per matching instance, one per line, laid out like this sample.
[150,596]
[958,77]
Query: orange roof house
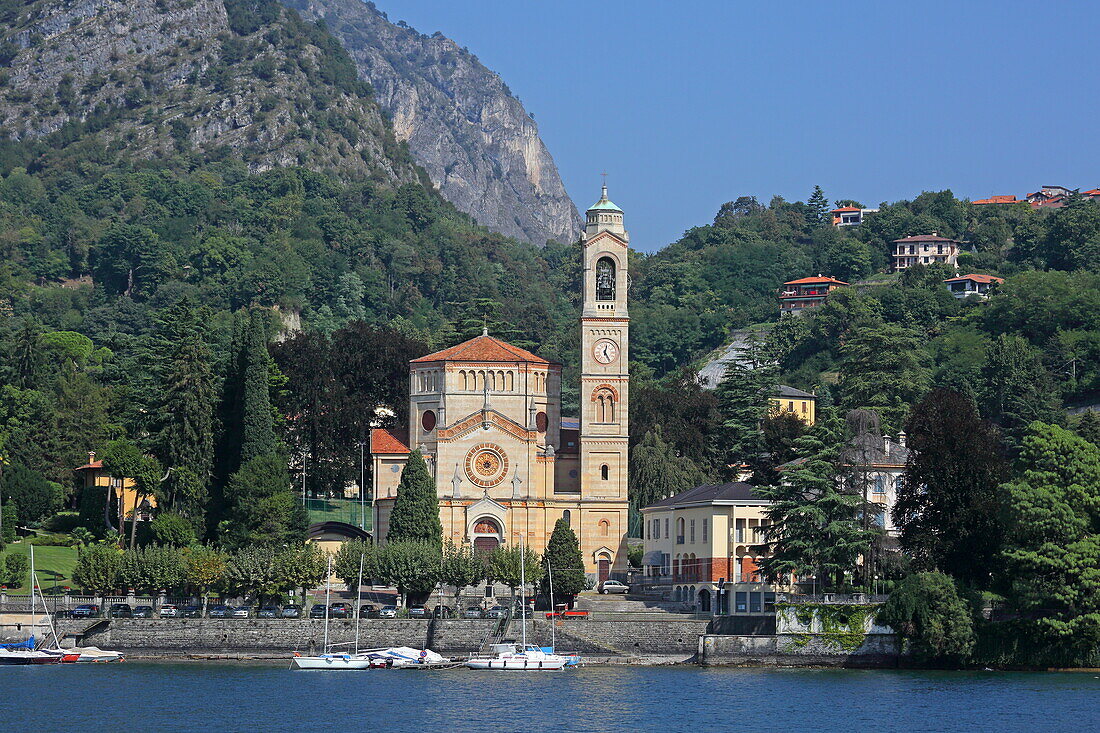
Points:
[123,491]
[973,284]
[996,200]
[806,292]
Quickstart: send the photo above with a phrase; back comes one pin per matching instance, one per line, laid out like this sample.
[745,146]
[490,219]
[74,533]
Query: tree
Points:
[10,519]
[743,403]
[928,613]
[1052,547]
[254,571]
[1016,388]
[15,570]
[508,565]
[302,566]
[885,369]
[1088,427]
[173,530]
[816,520]
[415,514]
[819,206]
[33,496]
[257,430]
[263,509]
[412,566]
[657,472]
[780,431]
[345,564]
[97,569]
[204,568]
[947,504]
[462,567]
[565,563]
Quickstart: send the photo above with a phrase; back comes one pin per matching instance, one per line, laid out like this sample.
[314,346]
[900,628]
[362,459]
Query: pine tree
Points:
[819,206]
[816,521]
[415,514]
[257,430]
[263,508]
[565,562]
[743,403]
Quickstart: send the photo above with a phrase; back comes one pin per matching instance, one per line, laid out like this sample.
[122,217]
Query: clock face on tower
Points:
[605,351]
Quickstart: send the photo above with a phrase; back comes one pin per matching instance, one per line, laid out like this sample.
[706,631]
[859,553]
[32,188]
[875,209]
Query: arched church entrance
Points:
[603,563]
[487,534]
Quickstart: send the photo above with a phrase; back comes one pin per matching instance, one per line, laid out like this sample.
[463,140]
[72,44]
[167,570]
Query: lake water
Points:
[163,697]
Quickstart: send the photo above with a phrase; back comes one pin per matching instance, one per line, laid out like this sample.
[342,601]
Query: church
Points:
[486,415]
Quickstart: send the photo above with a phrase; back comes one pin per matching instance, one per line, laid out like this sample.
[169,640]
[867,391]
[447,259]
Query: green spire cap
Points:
[604,204]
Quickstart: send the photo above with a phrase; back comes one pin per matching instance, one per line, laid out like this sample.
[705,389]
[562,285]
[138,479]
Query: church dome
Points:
[605,204]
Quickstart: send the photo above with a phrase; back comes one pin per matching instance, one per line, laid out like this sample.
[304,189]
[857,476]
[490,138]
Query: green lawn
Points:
[51,563]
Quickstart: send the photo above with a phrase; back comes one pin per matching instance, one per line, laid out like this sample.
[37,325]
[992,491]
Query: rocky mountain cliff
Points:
[232,79]
[462,124]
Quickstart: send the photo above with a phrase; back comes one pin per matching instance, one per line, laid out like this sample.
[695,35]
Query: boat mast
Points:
[358,590]
[33,625]
[522,583]
[328,593]
[553,609]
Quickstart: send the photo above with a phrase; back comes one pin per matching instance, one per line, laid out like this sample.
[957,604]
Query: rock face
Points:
[220,79]
[462,124]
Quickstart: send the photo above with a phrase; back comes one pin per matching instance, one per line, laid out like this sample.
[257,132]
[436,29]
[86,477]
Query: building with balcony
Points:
[850,216]
[799,295]
[802,405]
[925,249]
[972,285]
[700,546]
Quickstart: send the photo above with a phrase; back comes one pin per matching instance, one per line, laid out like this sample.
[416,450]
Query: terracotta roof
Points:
[996,200]
[926,238]
[976,278]
[94,465]
[818,279]
[1054,202]
[846,208]
[389,441]
[1093,192]
[483,348]
[710,493]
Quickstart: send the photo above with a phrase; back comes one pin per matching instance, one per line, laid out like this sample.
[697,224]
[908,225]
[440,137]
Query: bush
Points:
[36,497]
[52,540]
[63,522]
[173,530]
[928,613]
[15,569]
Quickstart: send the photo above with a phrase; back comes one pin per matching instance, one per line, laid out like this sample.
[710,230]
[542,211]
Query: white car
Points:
[169,611]
[388,612]
[242,612]
[613,586]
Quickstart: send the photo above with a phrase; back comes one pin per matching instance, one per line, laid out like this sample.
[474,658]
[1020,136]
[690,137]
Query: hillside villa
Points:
[925,249]
[807,292]
[802,405]
[122,491]
[974,285]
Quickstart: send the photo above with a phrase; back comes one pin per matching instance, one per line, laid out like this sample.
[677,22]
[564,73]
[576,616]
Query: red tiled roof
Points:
[1093,192]
[846,208]
[996,200]
[818,279]
[988,279]
[1054,202]
[483,348]
[389,441]
[97,465]
[926,238]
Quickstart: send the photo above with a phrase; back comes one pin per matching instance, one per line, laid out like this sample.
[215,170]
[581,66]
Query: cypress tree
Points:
[257,431]
[187,436]
[415,514]
[563,557]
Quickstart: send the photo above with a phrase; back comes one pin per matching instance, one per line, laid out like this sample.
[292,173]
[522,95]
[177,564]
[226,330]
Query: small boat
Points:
[336,661]
[518,657]
[24,653]
[406,657]
[95,655]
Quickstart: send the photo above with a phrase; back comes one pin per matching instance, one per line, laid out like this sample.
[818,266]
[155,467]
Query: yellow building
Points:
[802,405]
[486,415]
[701,541]
[121,492]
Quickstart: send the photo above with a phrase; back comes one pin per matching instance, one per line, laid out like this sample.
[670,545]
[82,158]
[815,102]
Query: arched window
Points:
[605,472]
[605,528]
[604,403]
[680,531]
[605,279]
[567,516]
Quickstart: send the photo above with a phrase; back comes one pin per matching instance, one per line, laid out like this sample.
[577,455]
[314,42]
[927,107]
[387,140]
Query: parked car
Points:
[291,610]
[443,612]
[268,612]
[143,612]
[120,610]
[220,611]
[340,610]
[241,612]
[368,610]
[86,610]
[496,612]
[472,612]
[387,612]
[169,611]
[613,586]
[319,610]
[192,611]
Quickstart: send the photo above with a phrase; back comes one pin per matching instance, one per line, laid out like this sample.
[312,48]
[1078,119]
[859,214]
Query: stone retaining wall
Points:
[797,650]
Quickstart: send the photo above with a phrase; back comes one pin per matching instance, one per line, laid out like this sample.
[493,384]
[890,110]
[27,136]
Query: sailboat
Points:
[328,659]
[81,655]
[521,656]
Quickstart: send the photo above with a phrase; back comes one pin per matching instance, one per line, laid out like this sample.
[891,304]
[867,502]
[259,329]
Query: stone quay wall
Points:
[672,640]
[797,650]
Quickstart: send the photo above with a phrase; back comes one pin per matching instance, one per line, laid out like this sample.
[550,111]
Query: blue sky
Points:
[687,105]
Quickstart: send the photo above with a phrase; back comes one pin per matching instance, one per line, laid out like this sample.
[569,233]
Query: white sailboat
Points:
[338,660]
[521,656]
[78,655]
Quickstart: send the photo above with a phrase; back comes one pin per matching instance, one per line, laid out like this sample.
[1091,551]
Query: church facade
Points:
[486,415]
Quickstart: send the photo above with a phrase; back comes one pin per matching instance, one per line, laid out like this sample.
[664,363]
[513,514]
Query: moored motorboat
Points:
[518,657]
[26,654]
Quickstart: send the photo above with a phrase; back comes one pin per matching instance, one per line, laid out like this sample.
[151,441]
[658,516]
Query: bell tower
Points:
[605,382]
